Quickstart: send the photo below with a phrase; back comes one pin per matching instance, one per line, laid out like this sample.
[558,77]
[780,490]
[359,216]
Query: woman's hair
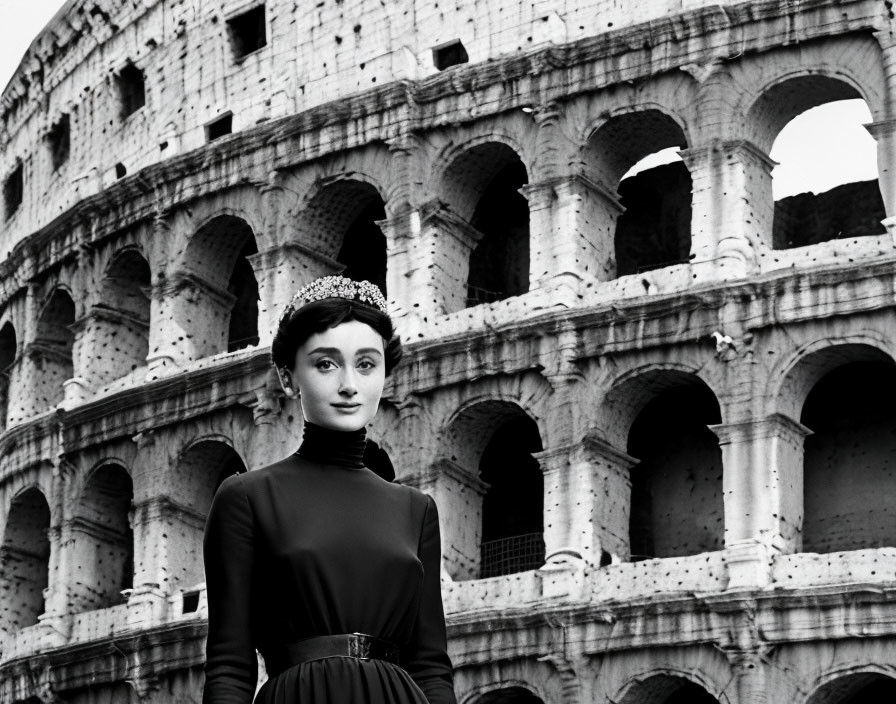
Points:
[317,316]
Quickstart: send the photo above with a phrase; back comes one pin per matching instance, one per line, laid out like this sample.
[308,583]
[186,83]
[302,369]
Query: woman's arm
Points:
[426,657]
[231,667]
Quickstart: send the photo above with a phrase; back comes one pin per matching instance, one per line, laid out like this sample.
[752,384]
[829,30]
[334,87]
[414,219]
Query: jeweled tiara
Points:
[336,287]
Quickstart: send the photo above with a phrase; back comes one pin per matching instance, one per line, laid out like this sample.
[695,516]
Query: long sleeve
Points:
[231,667]
[426,657]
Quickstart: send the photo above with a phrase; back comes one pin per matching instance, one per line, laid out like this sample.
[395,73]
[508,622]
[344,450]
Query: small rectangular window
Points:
[449,54]
[13,189]
[60,142]
[190,602]
[247,31]
[131,90]
[219,128]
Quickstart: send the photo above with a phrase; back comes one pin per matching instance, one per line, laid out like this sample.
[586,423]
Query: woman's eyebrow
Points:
[336,352]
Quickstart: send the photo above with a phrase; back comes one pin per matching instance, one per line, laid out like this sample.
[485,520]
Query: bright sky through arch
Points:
[824,147]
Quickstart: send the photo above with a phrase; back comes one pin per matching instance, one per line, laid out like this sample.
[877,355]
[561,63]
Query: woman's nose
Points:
[348,385]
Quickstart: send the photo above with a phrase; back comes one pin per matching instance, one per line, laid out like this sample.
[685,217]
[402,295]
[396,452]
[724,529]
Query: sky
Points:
[810,160]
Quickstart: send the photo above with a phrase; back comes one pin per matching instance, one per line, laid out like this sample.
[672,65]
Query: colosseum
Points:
[644,402]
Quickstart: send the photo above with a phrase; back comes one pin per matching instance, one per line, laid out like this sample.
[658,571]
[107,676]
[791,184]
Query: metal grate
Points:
[517,553]
[477,295]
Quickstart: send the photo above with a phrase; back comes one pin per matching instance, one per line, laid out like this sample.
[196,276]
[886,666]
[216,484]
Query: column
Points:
[763,494]
[458,494]
[732,206]
[750,672]
[587,497]
[108,344]
[189,321]
[884,130]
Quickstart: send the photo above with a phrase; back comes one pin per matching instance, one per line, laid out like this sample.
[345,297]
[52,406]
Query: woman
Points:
[329,571]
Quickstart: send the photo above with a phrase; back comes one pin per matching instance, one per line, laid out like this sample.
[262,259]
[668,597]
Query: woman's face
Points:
[340,374]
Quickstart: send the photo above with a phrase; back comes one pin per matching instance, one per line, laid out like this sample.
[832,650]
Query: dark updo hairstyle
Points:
[318,316]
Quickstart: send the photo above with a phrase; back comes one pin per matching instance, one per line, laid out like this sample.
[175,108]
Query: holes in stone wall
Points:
[190,602]
[24,561]
[849,472]
[120,170]
[103,540]
[221,127]
[247,31]
[677,500]
[7,359]
[52,349]
[626,154]
[449,54]
[513,505]
[131,90]
[59,140]
[14,189]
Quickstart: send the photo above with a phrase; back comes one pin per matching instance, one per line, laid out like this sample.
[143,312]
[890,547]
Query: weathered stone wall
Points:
[136,313]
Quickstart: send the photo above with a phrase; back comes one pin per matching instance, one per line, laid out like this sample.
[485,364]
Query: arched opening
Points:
[824,187]
[119,322]
[341,223]
[52,349]
[104,539]
[482,187]
[495,508]
[858,688]
[510,695]
[668,689]
[7,359]
[24,561]
[636,155]
[218,256]
[197,475]
[677,500]
[513,505]
[849,473]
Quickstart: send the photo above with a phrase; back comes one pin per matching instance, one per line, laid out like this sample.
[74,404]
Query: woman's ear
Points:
[286,382]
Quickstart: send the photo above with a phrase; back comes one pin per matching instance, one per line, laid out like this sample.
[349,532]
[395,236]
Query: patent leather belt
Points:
[355,645]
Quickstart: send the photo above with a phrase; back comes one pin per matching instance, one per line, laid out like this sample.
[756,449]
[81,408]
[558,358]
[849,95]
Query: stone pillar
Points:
[280,272]
[587,493]
[441,261]
[458,494]
[189,321]
[884,133]
[750,671]
[732,206]
[763,492]
[19,399]
[573,227]
[107,345]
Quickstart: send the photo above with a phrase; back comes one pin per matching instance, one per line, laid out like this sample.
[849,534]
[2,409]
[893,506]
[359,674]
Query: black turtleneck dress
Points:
[315,545]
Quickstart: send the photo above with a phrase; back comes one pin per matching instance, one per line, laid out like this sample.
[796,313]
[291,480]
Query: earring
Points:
[286,383]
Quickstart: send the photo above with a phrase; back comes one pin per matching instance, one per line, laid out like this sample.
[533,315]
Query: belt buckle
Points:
[359,645]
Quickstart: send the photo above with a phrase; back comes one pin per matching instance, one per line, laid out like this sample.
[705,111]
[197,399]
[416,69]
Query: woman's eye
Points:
[324,364]
[367,364]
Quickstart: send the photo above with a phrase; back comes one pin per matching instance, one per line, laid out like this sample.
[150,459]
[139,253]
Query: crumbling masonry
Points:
[633,509]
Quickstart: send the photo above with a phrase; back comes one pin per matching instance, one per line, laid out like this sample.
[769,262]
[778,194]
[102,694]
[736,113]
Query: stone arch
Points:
[196,473]
[867,687]
[480,187]
[651,221]
[676,496]
[24,560]
[116,328]
[53,347]
[340,222]
[498,527]
[102,538]
[670,687]
[8,356]
[506,694]
[849,465]
[810,218]
[218,258]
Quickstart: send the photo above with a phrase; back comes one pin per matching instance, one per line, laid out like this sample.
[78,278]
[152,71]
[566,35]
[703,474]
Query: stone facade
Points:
[633,509]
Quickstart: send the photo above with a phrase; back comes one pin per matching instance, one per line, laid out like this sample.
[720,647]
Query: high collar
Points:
[335,447]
